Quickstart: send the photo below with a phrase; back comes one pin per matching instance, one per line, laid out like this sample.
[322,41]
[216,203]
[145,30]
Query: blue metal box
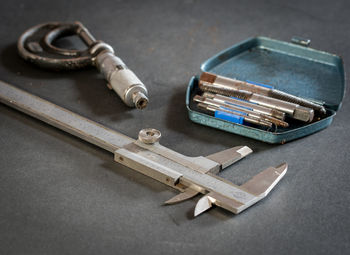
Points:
[290,67]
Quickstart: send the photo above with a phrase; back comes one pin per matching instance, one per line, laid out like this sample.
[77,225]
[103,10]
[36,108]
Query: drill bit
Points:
[256,108]
[234,108]
[246,118]
[234,84]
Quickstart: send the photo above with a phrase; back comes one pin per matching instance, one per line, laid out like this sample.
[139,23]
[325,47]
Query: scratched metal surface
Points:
[59,195]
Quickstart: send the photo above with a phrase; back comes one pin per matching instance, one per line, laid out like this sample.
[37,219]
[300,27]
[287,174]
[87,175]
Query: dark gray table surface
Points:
[60,195]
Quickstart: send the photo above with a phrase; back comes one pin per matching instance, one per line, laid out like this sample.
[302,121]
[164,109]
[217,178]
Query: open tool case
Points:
[290,67]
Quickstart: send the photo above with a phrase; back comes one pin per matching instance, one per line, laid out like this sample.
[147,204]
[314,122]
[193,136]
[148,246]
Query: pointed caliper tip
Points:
[228,157]
[203,204]
[243,150]
[187,194]
[282,168]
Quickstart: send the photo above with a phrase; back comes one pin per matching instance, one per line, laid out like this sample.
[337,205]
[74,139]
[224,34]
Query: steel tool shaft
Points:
[236,108]
[255,107]
[189,175]
[262,90]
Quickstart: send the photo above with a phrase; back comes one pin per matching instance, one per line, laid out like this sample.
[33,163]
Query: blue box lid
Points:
[289,67]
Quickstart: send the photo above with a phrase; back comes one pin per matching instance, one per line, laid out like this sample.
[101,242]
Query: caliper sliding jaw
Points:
[194,175]
[189,175]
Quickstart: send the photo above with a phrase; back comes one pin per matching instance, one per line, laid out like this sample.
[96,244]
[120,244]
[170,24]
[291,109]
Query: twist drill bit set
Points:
[268,90]
[234,103]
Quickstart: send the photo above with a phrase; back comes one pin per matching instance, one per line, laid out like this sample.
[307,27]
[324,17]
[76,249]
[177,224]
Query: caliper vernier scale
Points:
[189,175]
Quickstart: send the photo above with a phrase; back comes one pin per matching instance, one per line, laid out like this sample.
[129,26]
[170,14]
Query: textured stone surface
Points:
[59,195]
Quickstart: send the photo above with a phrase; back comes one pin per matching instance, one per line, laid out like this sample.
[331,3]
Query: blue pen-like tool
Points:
[231,117]
[234,117]
[240,111]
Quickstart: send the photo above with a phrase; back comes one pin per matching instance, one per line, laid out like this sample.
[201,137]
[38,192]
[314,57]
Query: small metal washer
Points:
[149,135]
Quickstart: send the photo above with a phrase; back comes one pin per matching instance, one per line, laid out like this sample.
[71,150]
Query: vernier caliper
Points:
[189,175]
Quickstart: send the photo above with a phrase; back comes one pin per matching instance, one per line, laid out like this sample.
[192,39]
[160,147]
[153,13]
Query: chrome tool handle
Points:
[36,46]
[122,80]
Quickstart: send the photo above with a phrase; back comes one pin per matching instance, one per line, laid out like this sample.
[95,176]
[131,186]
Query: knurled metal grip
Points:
[36,46]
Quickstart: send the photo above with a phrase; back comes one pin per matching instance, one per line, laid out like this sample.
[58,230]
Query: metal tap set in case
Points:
[294,68]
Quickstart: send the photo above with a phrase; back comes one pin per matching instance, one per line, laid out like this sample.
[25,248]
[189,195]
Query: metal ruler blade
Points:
[62,118]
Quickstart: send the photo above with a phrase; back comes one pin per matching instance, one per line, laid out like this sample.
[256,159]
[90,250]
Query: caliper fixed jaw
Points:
[259,186]
[194,175]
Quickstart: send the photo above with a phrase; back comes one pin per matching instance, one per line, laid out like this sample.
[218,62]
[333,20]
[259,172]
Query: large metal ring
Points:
[35,45]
